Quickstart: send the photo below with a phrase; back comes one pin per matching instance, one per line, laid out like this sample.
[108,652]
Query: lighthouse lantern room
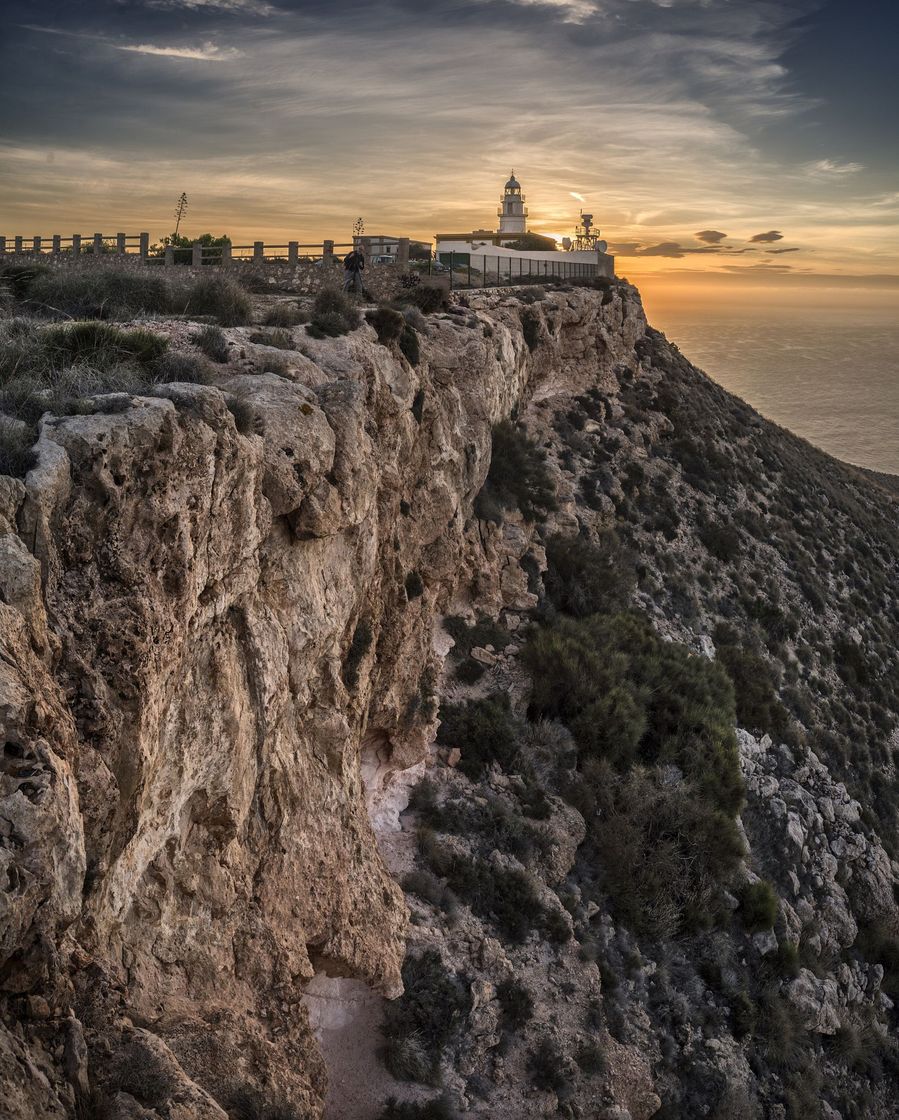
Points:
[512,212]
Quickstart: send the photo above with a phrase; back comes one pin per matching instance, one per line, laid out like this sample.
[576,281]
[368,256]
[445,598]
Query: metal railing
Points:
[474,270]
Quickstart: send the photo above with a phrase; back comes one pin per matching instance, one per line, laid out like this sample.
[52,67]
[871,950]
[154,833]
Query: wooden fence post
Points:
[57,242]
[293,252]
[98,244]
[76,244]
[169,258]
[120,243]
[18,244]
[37,245]
[226,253]
[197,256]
[2,245]
[144,246]
[402,252]
[328,252]
[258,250]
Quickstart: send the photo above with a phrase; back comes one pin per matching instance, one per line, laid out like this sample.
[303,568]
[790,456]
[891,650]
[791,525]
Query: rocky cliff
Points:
[230,615]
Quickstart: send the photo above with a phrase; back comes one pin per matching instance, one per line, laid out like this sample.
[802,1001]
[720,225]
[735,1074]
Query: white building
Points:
[487,252]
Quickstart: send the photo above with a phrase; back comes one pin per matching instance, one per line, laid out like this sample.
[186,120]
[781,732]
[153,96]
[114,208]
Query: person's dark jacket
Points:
[354,262]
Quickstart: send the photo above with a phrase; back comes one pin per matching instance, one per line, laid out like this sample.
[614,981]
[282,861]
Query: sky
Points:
[719,143]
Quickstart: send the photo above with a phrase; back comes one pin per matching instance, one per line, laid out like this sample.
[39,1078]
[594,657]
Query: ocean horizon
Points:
[828,373]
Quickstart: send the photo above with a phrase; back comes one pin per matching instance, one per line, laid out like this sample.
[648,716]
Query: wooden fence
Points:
[137,245]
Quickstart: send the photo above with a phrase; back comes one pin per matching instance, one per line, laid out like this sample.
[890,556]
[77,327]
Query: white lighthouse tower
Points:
[512,212]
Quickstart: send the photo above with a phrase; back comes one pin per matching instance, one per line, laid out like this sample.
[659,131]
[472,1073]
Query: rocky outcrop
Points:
[210,635]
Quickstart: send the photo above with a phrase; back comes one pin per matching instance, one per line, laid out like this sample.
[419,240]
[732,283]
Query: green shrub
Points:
[285,315]
[280,339]
[171,366]
[723,541]
[425,884]
[17,454]
[428,1016]
[101,345]
[439,1108]
[219,296]
[757,705]
[18,279]
[628,695]
[583,577]
[427,299]
[483,632]
[388,324]
[664,852]
[516,1002]
[409,347]
[530,326]
[244,414]
[102,293]
[591,1058]
[517,478]
[213,342]
[334,314]
[546,1065]
[758,906]
[485,731]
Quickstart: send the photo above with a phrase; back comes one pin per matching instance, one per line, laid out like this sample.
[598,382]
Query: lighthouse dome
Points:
[513,184]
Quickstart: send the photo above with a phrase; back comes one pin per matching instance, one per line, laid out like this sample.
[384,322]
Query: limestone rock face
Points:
[202,629]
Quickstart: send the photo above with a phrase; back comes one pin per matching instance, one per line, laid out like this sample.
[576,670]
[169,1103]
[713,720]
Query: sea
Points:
[828,372]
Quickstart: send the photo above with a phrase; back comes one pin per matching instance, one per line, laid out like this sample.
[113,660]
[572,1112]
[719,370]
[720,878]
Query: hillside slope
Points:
[649,860]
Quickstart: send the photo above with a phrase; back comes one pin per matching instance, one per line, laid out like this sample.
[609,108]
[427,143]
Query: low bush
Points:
[516,1002]
[409,346]
[334,314]
[546,1065]
[531,328]
[428,300]
[173,366]
[663,851]
[17,454]
[439,1108]
[584,577]
[213,342]
[517,479]
[388,324]
[483,632]
[485,731]
[591,1058]
[758,906]
[101,345]
[426,1019]
[505,896]
[18,279]
[101,293]
[284,315]
[220,297]
[244,414]
[757,705]
[280,339]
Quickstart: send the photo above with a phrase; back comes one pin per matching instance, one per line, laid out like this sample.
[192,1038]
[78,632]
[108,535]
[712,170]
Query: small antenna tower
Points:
[586,236]
[180,211]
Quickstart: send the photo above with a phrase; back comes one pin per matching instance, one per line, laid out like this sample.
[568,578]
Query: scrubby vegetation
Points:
[517,479]
[426,1020]
[124,294]
[334,314]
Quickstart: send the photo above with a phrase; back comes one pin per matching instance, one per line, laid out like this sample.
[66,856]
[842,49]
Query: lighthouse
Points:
[512,211]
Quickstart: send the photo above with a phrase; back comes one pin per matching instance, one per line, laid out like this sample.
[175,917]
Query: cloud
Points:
[579,197]
[795,250]
[771,235]
[208,52]
[254,7]
[830,167]
[710,236]
[671,249]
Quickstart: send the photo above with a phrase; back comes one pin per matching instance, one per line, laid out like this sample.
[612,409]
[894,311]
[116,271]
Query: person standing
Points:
[353,267]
